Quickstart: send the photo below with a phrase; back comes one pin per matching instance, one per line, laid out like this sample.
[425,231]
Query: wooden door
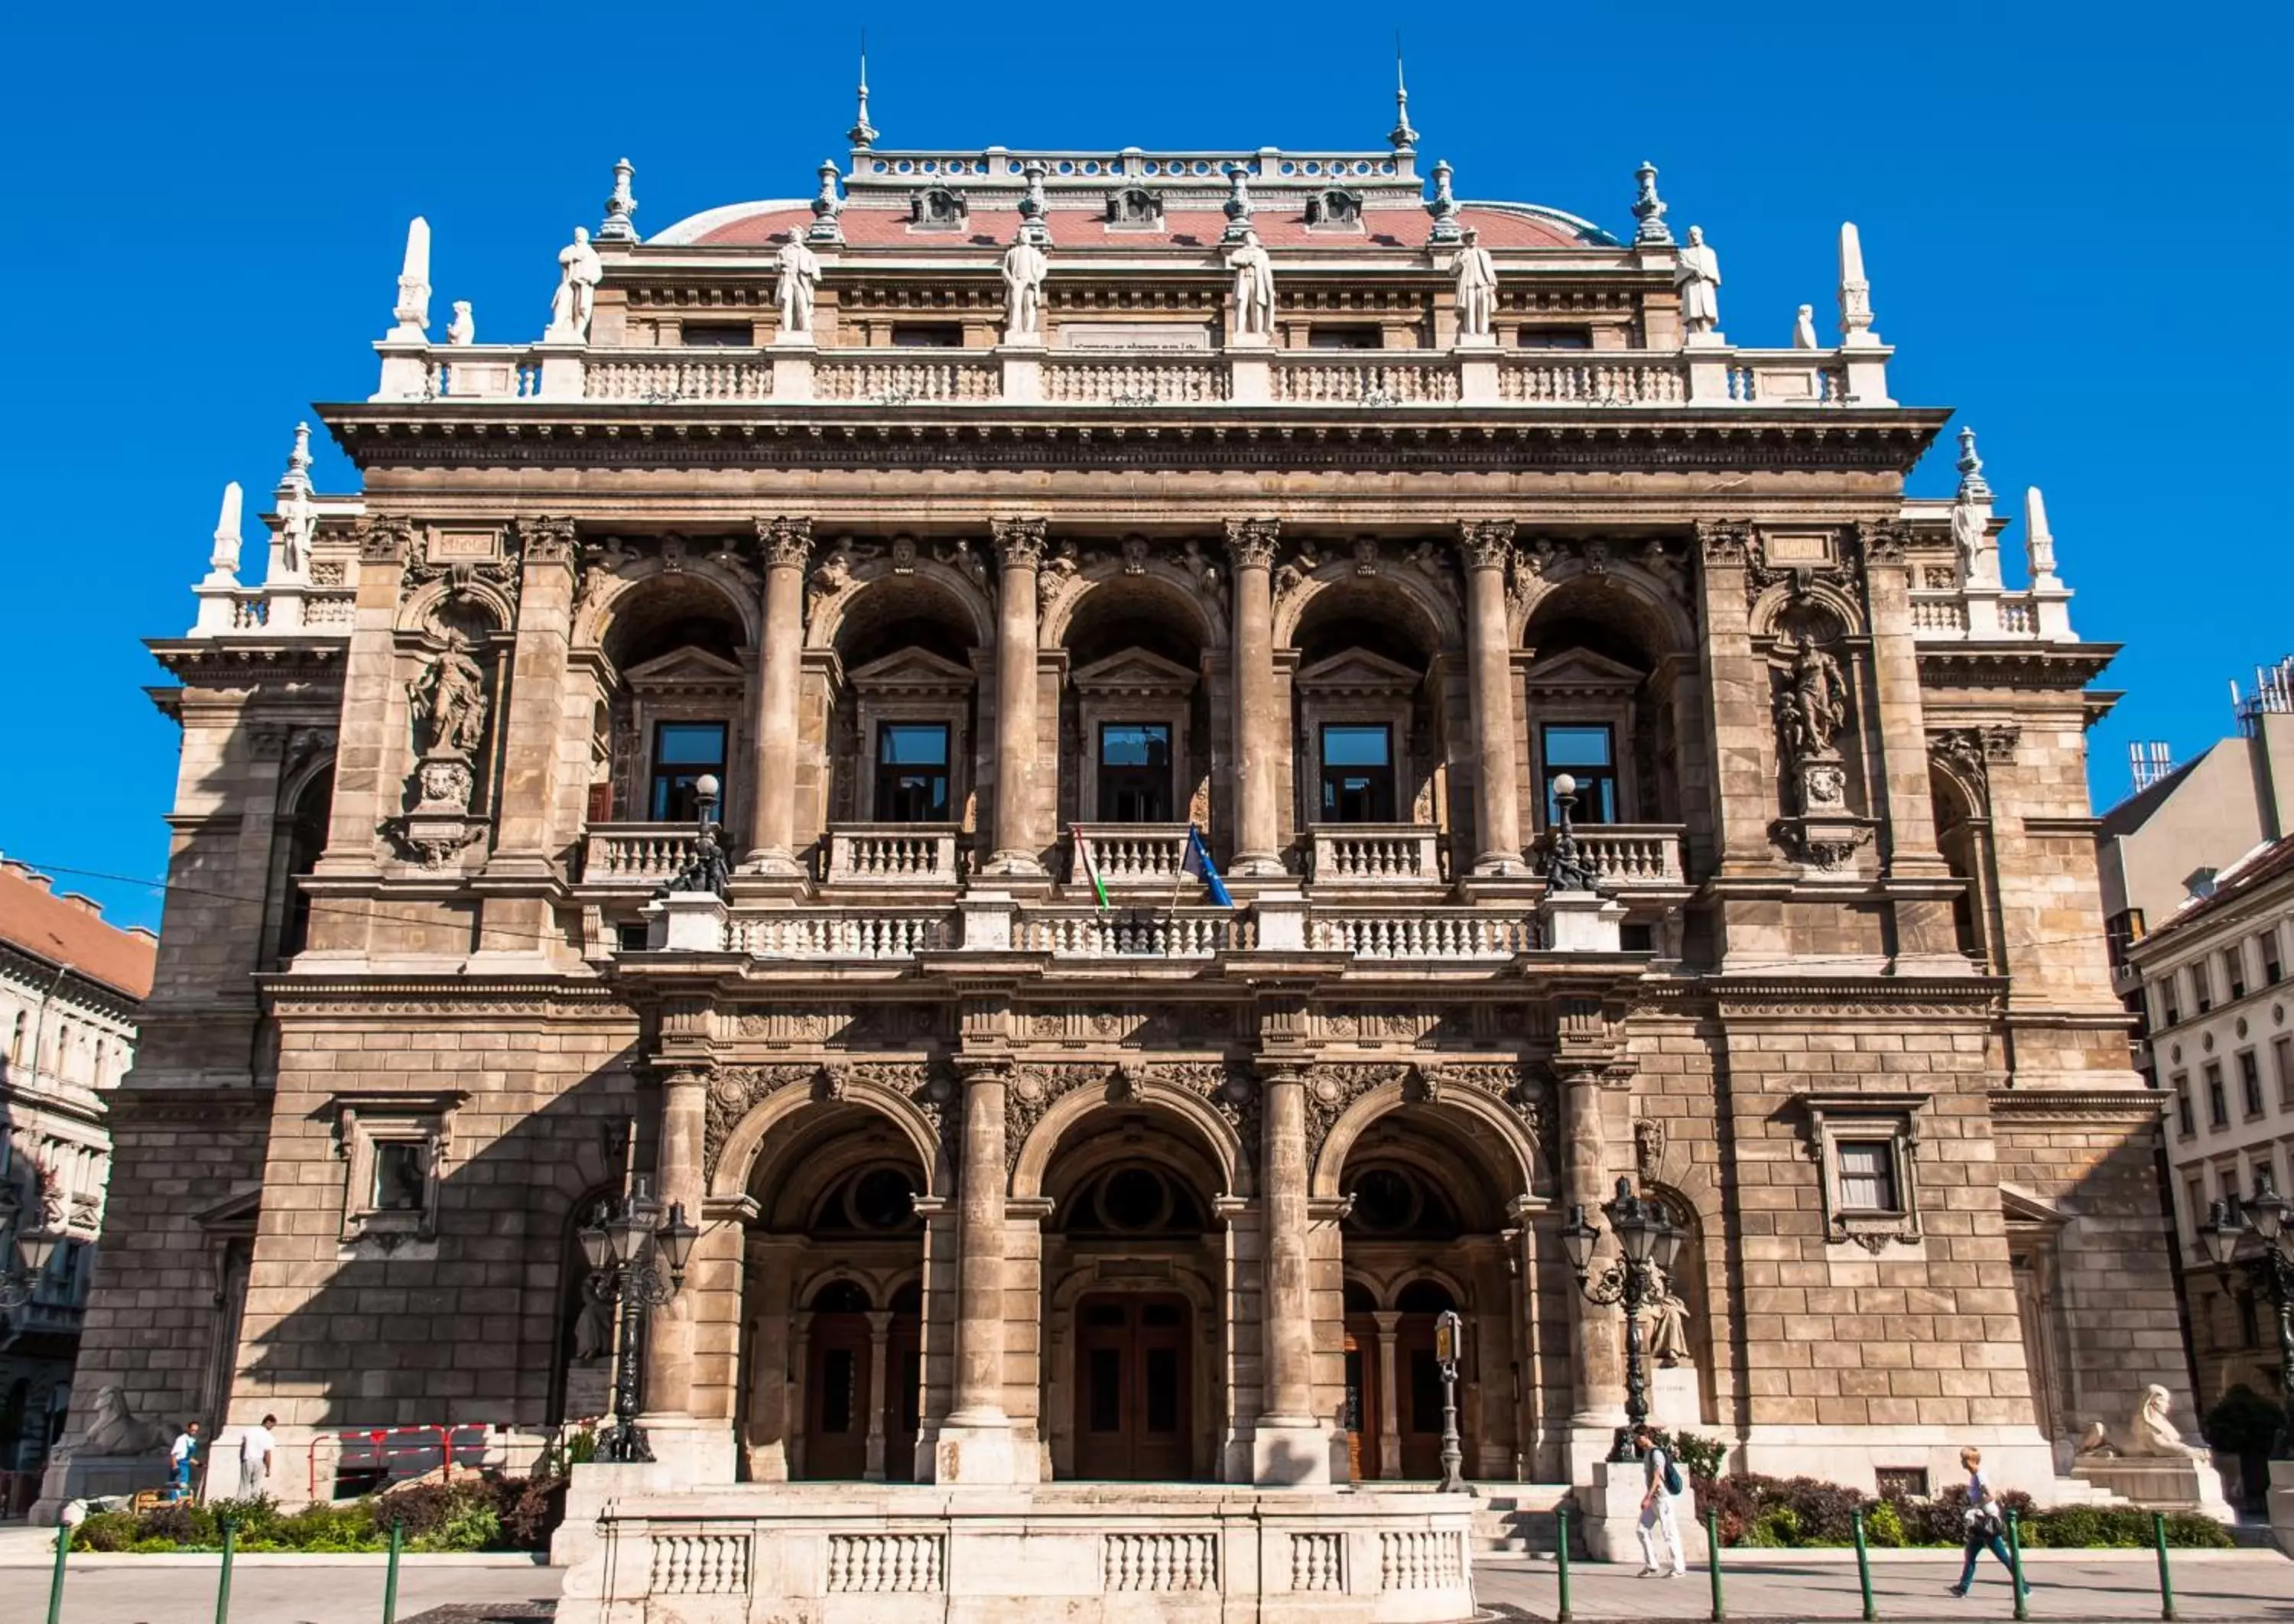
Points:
[1418,1396]
[1134,1404]
[1363,1413]
[837,1396]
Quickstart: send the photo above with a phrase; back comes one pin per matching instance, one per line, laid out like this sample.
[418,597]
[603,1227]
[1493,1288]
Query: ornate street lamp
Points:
[1449,1333]
[636,1257]
[2270,1269]
[1648,1242]
[706,869]
[33,1248]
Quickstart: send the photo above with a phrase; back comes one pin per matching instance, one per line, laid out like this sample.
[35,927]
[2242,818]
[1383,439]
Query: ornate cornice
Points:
[702,434]
[2013,665]
[2133,1103]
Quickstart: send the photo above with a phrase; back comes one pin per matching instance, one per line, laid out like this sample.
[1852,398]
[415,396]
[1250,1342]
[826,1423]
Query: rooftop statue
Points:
[1698,278]
[1024,265]
[1804,329]
[462,328]
[1477,287]
[1254,287]
[800,273]
[579,273]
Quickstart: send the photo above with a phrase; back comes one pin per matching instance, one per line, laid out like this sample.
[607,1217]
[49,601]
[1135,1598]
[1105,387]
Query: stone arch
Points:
[850,580]
[1520,1170]
[1834,597]
[743,1151]
[1431,615]
[622,594]
[1144,573]
[1422,1268]
[1617,593]
[1225,1158]
[423,611]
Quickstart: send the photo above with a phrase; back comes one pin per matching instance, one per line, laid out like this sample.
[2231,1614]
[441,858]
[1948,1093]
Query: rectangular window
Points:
[402,1175]
[1555,337]
[1867,1176]
[927,336]
[1347,336]
[2274,968]
[2218,1101]
[2249,1083]
[2202,987]
[2281,1054]
[840,1371]
[2121,931]
[1134,772]
[912,772]
[2182,1124]
[718,335]
[1357,773]
[1587,752]
[2234,969]
[2194,1201]
[682,751]
[2170,1000]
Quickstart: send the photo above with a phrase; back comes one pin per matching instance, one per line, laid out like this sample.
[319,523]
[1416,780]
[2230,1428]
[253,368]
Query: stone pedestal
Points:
[2282,1504]
[1023,373]
[686,921]
[1676,1398]
[1613,1515]
[792,359]
[988,918]
[1582,922]
[2166,1482]
[986,1454]
[564,359]
[1249,372]
[73,1475]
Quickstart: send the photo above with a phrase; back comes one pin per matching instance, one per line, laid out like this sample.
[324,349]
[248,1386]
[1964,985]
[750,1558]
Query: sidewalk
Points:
[1770,1585]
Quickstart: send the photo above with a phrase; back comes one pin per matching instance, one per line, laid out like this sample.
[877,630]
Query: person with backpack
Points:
[1660,1515]
[1987,1523]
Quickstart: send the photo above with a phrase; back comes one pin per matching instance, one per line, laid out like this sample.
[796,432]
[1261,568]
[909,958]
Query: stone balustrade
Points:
[1630,855]
[1374,854]
[1980,615]
[907,856]
[1127,933]
[637,856]
[1132,855]
[841,933]
[1421,933]
[800,376]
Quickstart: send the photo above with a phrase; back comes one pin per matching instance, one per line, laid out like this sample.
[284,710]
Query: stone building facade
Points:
[1246,505]
[70,985]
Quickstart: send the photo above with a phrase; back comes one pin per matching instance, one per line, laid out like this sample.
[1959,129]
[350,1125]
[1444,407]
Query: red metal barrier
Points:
[399,1452]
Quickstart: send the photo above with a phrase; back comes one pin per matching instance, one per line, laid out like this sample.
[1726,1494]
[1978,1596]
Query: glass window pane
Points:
[689,744]
[1134,744]
[402,1168]
[1867,1176]
[1354,745]
[1576,747]
[913,743]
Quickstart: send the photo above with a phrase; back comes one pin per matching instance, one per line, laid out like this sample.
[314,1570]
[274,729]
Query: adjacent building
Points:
[71,986]
[1000,532]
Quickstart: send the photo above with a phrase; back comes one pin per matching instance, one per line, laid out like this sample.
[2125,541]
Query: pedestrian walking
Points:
[1987,1523]
[1660,1515]
[255,1447]
[182,1457]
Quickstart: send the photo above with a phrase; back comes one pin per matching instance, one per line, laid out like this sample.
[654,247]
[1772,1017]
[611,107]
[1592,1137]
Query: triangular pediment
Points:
[242,1206]
[2025,1206]
[912,669]
[686,664]
[1135,670]
[1358,669]
[1584,670]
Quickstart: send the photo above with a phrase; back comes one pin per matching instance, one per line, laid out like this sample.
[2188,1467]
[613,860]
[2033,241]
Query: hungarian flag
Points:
[1198,862]
[1090,861]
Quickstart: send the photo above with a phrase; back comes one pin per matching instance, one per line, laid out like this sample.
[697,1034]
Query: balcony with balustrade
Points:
[890,858]
[1377,857]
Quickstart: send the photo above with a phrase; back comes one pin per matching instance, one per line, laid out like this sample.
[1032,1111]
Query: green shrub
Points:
[471,1513]
[106,1530]
[470,1525]
[1699,1457]
[1884,1524]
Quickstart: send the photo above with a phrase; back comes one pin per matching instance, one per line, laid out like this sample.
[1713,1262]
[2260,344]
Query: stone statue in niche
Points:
[1813,707]
[799,269]
[1024,266]
[593,1329]
[1697,277]
[450,701]
[1668,1331]
[1477,287]
[1254,287]
[579,273]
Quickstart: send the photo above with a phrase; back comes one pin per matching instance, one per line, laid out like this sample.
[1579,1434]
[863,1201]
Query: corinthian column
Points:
[785,545]
[1488,547]
[975,1442]
[1258,729]
[1019,552]
[1595,1346]
[1290,1445]
[669,1329]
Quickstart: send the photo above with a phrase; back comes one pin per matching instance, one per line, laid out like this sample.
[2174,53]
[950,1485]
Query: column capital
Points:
[983,1068]
[549,539]
[1724,541]
[783,542]
[1019,543]
[1883,543]
[1250,542]
[1488,544]
[386,539]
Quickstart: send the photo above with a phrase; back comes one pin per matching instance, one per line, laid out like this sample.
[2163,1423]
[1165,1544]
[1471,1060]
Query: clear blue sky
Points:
[2070,218]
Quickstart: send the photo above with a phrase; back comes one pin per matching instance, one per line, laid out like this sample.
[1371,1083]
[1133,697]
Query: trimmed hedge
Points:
[509,1513]
[1785,1513]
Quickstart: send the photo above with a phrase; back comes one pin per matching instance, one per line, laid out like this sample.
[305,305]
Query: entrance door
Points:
[1362,1415]
[904,1363]
[1131,1398]
[1418,1396]
[836,1397]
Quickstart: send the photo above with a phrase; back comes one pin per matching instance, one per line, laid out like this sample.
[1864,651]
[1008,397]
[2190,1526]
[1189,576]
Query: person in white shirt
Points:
[1986,1519]
[1659,1517]
[255,1447]
[182,1456]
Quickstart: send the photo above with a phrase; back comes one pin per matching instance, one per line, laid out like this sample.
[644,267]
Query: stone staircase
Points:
[1515,1518]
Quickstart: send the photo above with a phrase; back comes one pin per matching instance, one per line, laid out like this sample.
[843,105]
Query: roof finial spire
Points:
[1401,136]
[863,133]
[1648,208]
[616,226]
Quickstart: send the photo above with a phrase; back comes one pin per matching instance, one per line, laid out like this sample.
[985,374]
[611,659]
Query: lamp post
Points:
[705,869]
[33,1248]
[2271,1269]
[1449,1332]
[637,1256]
[1565,867]
[1648,1242]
